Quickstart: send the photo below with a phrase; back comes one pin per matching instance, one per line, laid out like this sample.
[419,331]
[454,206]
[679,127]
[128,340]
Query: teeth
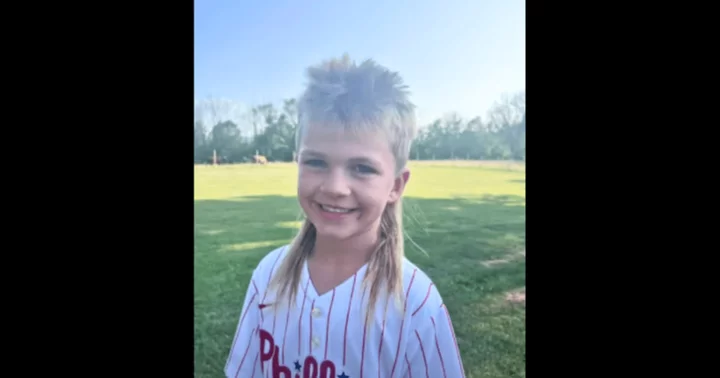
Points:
[334,209]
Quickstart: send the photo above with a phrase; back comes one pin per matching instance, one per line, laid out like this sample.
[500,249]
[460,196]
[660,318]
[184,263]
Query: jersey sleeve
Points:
[436,353]
[243,360]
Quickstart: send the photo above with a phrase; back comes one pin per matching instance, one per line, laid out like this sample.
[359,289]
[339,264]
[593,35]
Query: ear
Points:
[399,185]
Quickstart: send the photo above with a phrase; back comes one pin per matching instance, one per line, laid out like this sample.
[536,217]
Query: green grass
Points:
[470,218]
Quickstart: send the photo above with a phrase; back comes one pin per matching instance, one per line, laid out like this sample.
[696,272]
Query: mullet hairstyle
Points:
[356,98]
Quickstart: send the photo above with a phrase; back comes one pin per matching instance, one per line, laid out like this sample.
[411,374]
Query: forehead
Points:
[339,143]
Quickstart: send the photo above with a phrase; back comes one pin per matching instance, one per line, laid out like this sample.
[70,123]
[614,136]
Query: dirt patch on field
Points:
[510,257]
[516,296]
[491,263]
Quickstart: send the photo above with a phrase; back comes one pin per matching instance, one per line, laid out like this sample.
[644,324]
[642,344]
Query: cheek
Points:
[309,183]
[375,194]
[304,184]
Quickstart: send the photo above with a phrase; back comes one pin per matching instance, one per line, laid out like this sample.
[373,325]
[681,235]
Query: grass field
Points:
[469,218]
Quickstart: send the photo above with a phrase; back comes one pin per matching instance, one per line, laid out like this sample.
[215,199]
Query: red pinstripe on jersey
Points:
[258,291]
[457,350]
[347,318]
[382,333]
[302,309]
[245,354]
[255,364]
[424,300]
[422,350]
[327,324]
[274,319]
[272,269]
[287,321]
[362,354]
[437,346]
[242,319]
[408,365]
[402,323]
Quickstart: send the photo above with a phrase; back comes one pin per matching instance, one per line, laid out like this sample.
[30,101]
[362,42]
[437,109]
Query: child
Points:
[342,300]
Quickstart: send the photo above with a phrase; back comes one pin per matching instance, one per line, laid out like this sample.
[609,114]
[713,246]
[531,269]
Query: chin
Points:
[332,233]
[334,229]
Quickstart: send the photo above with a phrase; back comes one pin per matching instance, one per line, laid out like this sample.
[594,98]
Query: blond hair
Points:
[365,97]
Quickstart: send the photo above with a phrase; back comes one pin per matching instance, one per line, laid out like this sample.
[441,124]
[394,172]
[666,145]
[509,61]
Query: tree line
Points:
[269,130]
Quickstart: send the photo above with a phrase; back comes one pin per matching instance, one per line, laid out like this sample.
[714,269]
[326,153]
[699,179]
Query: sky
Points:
[455,56]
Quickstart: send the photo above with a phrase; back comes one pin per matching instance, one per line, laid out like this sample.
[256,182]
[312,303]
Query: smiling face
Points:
[346,180]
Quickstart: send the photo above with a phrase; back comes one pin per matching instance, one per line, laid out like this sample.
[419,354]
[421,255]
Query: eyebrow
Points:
[311,153]
[365,160]
[358,159]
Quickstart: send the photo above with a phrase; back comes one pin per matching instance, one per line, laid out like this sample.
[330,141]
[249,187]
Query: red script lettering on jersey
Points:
[270,351]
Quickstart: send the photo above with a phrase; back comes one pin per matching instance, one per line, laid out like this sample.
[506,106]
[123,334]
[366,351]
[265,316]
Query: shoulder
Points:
[268,264]
[422,296]
[273,257]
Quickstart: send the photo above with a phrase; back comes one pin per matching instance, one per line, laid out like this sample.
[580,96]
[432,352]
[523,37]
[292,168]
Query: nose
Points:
[335,184]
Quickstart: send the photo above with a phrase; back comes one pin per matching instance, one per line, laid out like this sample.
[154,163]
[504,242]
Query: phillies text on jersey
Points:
[325,336]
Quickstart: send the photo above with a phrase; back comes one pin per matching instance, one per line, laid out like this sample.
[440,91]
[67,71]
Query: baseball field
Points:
[465,227]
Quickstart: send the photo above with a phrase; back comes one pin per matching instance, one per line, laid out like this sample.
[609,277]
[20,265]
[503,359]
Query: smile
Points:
[333,209]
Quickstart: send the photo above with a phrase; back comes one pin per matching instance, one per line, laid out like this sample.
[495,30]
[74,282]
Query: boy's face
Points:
[346,180]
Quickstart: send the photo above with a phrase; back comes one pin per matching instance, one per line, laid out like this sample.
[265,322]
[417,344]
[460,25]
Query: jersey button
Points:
[315,342]
[316,312]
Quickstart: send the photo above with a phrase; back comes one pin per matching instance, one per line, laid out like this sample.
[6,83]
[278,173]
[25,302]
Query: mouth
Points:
[335,209]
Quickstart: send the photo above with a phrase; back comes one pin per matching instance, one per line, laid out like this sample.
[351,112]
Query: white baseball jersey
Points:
[324,336]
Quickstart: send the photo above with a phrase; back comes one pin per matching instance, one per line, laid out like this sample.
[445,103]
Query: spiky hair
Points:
[360,97]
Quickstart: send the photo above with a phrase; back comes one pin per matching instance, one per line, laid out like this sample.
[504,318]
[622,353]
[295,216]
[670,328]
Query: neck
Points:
[354,251]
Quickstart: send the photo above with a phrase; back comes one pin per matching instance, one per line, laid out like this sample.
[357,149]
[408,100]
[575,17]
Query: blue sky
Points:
[455,55]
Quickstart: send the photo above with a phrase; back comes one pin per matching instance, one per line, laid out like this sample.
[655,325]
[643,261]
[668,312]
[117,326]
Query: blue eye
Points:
[314,163]
[365,169]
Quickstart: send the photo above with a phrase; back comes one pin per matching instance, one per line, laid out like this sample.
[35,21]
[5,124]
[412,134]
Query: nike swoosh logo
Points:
[262,305]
